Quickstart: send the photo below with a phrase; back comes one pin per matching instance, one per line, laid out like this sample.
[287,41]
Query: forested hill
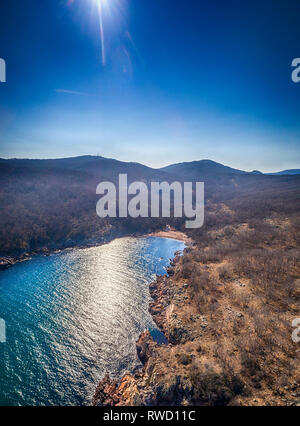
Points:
[51,203]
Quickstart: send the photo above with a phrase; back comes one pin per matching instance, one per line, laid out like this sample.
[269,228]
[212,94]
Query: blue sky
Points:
[183,81]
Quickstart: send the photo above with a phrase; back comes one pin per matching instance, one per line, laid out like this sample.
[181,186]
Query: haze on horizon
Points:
[182,82]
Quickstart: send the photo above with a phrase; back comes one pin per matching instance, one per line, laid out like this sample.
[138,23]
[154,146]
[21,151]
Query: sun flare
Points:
[100,5]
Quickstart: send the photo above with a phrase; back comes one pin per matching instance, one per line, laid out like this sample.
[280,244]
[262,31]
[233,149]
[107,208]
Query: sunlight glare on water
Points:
[73,316]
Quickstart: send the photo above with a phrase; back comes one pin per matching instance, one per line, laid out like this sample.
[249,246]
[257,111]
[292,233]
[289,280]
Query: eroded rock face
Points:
[145,347]
[218,330]
[105,391]
[110,393]
[132,389]
[171,374]
[154,384]
[159,382]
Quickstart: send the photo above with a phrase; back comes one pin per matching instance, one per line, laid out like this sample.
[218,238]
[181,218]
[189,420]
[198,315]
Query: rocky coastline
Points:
[7,262]
[153,385]
[11,260]
[226,345]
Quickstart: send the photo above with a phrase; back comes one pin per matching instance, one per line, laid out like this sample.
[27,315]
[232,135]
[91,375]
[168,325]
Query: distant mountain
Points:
[202,168]
[99,168]
[290,172]
[88,166]
[51,203]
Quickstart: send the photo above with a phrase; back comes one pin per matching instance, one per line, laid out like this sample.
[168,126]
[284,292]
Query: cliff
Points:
[227,318]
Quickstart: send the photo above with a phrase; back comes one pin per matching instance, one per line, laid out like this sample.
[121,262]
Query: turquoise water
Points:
[73,316]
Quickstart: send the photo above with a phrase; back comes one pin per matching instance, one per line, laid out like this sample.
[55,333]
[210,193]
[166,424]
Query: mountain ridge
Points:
[288,172]
[93,164]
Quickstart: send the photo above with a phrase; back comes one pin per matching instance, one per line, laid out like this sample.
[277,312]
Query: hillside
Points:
[51,203]
[227,305]
[226,308]
[200,169]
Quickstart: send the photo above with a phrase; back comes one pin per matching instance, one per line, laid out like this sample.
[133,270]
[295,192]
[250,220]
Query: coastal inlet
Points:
[75,315]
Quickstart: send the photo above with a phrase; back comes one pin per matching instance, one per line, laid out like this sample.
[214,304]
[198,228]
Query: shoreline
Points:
[132,388]
[173,235]
[7,262]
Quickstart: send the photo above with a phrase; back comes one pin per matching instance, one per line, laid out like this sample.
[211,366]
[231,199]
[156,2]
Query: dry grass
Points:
[247,286]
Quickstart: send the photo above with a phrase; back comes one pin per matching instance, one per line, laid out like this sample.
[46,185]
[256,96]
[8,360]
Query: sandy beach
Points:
[173,234]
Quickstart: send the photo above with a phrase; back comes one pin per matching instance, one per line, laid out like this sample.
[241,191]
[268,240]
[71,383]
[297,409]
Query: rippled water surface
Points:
[73,316]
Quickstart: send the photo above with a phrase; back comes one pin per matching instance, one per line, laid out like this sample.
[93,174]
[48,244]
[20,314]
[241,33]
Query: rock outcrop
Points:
[110,393]
[162,380]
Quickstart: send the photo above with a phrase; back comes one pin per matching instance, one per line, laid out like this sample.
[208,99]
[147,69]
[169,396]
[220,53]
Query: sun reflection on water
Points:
[75,315]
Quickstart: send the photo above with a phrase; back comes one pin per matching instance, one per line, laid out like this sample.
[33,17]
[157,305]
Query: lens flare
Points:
[100,5]
[110,13]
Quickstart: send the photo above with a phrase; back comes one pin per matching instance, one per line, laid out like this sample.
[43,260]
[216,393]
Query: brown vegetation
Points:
[227,310]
